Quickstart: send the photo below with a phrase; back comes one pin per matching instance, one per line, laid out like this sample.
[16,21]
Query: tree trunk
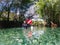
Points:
[8,14]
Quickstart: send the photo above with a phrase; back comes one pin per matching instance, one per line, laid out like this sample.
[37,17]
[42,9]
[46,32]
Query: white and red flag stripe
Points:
[29,21]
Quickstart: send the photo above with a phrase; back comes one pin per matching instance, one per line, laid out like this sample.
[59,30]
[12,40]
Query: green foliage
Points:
[37,23]
[40,5]
[16,4]
[21,18]
[25,2]
[49,8]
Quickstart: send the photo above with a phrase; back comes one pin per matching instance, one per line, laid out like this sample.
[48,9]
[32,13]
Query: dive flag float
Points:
[29,21]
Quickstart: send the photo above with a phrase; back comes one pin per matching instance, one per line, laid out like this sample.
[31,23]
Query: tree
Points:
[16,4]
[49,8]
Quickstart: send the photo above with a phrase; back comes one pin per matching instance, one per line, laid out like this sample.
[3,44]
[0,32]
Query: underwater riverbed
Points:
[38,36]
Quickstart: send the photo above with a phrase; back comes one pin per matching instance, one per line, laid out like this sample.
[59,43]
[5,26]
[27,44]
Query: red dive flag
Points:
[29,21]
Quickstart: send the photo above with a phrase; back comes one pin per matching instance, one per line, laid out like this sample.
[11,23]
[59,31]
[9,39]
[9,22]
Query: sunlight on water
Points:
[34,33]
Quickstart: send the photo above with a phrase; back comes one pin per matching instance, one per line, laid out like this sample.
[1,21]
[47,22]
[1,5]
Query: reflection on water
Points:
[35,33]
[41,34]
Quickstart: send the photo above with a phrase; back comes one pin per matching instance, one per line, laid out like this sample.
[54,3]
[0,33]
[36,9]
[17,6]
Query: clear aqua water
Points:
[40,36]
